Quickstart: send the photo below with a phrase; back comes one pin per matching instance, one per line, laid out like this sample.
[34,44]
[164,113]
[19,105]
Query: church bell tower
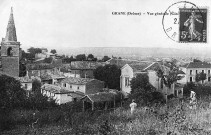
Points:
[10,49]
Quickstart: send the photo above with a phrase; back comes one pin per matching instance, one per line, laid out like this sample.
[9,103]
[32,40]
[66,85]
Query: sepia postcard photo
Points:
[105,67]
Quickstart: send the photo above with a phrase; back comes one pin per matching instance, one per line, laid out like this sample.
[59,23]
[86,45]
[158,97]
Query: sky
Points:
[66,24]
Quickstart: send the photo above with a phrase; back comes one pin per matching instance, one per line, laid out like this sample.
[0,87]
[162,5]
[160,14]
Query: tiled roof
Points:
[85,64]
[39,66]
[74,80]
[55,89]
[140,66]
[121,62]
[24,79]
[198,65]
[49,76]
[104,96]
[181,72]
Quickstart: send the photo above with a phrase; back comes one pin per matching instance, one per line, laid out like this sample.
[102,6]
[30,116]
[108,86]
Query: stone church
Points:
[10,50]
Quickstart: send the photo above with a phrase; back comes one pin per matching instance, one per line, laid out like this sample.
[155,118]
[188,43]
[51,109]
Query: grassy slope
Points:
[142,122]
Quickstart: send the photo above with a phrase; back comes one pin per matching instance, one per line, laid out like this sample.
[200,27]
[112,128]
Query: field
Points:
[177,119]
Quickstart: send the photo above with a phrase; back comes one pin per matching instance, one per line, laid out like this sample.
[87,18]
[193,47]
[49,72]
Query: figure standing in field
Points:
[133,106]
[191,23]
[193,100]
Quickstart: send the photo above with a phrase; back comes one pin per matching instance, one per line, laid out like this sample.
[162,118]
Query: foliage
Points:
[141,81]
[33,51]
[143,92]
[105,58]
[81,57]
[48,60]
[200,77]
[36,87]
[196,60]
[169,75]
[68,59]
[110,74]
[22,69]
[201,90]
[53,51]
[90,56]
[187,88]
[11,93]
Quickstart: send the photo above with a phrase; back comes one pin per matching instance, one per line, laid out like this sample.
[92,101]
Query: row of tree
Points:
[83,57]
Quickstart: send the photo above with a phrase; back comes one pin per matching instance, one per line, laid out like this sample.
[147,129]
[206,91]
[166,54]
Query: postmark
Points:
[184,22]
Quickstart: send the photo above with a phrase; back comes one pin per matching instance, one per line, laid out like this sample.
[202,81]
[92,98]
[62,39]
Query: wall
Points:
[153,79]
[10,65]
[126,71]
[198,71]
[63,98]
[75,87]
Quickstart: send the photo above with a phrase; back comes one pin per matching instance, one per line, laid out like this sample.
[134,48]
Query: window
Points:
[161,84]
[64,84]
[202,71]
[191,79]
[9,51]
[70,86]
[208,71]
[208,79]
[78,87]
[190,72]
[127,81]
[196,71]
[26,86]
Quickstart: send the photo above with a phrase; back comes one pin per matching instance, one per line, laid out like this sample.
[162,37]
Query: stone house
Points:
[84,85]
[129,71]
[193,68]
[60,95]
[84,69]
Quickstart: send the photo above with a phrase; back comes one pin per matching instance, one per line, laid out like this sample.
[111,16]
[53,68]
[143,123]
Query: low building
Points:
[193,68]
[60,94]
[84,69]
[84,85]
[129,71]
[102,100]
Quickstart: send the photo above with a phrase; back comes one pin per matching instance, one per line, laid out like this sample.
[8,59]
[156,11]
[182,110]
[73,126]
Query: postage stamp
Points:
[184,22]
[192,25]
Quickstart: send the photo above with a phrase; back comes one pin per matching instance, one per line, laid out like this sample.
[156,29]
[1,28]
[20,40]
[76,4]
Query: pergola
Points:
[102,97]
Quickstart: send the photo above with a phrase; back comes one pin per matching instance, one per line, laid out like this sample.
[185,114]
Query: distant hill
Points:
[132,52]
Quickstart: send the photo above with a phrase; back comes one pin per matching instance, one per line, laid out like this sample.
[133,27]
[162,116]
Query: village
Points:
[99,83]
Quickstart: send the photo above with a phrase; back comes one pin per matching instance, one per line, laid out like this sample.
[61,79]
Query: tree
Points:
[36,87]
[141,81]
[22,71]
[105,58]
[187,88]
[143,92]
[48,60]
[169,75]
[110,74]
[32,51]
[196,60]
[90,57]
[201,77]
[81,57]
[11,93]
[53,51]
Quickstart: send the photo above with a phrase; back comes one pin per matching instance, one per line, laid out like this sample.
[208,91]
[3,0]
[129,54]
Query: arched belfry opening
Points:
[9,51]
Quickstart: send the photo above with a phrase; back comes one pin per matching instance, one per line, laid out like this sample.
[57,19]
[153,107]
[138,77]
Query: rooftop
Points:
[85,64]
[198,65]
[80,81]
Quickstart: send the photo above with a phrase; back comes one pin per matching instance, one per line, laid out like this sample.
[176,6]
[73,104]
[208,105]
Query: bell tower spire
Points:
[11,30]
[10,49]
